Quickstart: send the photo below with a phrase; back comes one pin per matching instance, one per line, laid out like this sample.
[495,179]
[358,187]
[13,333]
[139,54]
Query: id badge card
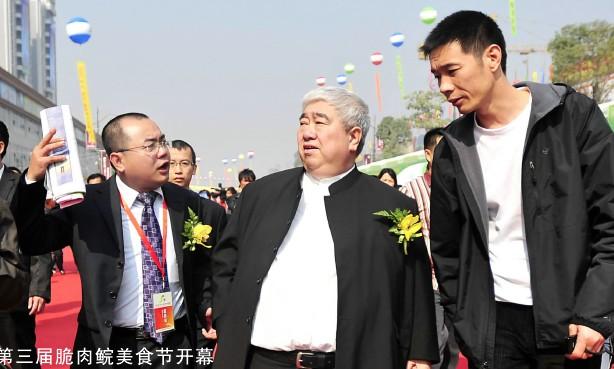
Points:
[163,312]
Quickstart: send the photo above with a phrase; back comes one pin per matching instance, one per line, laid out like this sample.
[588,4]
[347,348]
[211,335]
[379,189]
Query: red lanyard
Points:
[145,240]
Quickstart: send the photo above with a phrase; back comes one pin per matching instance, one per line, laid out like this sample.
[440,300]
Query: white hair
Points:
[352,109]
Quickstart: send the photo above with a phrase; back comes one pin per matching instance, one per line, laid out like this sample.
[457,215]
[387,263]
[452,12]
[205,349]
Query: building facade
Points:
[20,107]
[28,79]
[27,43]
[42,47]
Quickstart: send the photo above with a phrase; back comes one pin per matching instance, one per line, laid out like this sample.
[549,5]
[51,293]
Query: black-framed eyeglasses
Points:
[153,147]
[184,164]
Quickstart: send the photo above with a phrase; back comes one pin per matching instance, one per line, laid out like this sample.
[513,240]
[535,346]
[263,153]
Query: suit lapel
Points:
[176,213]
[7,184]
[107,200]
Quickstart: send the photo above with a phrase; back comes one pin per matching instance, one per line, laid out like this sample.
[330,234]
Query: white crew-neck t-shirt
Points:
[500,151]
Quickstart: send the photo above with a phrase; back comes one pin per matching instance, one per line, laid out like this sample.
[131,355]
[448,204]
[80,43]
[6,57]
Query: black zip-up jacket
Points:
[568,210]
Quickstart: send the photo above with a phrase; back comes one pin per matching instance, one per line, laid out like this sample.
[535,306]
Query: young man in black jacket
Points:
[18,325]
[522,214]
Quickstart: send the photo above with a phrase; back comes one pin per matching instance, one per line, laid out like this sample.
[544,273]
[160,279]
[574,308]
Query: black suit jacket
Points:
[39,278]
[385,299]
[93,228]
[13,274]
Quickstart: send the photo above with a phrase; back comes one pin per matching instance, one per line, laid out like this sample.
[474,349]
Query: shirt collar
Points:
[2,170]
[129,194]
[321,185]
[526,111]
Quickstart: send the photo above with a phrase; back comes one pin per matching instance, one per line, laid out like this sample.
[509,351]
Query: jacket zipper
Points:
[533,178]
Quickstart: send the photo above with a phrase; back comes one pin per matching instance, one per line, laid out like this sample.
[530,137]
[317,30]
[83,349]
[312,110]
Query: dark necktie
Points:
[152,278]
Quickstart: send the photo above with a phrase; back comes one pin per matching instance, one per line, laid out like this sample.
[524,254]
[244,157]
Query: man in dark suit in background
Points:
[126,237]
[306,276]
[18,325]
[182,169]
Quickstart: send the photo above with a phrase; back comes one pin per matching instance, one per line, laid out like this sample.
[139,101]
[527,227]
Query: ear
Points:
[355,135]
[117,161]
[492,57]
[428,154]
[2,147]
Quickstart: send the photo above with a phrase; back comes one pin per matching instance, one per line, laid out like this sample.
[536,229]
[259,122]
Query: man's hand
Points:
[40,159]
[36,305]
[418,364]
[208,332]
[588,341]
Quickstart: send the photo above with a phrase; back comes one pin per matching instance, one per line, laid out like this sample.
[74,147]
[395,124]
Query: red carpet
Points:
[56,326]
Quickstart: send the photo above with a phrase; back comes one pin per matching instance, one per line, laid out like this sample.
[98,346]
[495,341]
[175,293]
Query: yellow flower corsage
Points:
[195,232]
[405,225]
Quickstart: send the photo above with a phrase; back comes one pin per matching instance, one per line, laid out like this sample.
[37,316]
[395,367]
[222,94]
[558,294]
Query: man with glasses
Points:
[142,289]
[183,163]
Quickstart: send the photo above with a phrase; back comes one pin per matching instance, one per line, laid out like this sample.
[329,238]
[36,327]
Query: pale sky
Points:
[228,76]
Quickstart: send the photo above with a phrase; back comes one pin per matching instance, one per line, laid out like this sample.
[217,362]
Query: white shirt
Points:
[2,170]
[128,309]
[500,151]
[304,266]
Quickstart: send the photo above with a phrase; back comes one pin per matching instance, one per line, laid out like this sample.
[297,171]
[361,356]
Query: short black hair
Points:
[232,190]
[182,145]
[112,135]
[390,172]
[94,176]
[473,30]
[430,138]
[247,174]
[4,137]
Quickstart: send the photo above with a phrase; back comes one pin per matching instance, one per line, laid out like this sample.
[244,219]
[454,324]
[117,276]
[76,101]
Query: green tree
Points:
[396,135]
[425,109]
[584,53]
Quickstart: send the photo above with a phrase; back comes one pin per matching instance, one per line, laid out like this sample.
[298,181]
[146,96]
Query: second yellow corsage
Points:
[405,225]
[195,232]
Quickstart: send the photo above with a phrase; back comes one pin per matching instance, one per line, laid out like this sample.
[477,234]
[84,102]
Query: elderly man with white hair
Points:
[307,276]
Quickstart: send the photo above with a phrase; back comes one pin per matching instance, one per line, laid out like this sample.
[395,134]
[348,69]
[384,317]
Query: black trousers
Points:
[175,342]
[516,348]
[17,332]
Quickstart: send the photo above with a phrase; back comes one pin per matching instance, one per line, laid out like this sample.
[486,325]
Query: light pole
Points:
[374,126]
[98,119]
[196,173]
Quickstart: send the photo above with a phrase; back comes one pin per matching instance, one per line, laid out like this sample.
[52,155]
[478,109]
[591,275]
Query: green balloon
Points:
[428,14]
[349,68]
